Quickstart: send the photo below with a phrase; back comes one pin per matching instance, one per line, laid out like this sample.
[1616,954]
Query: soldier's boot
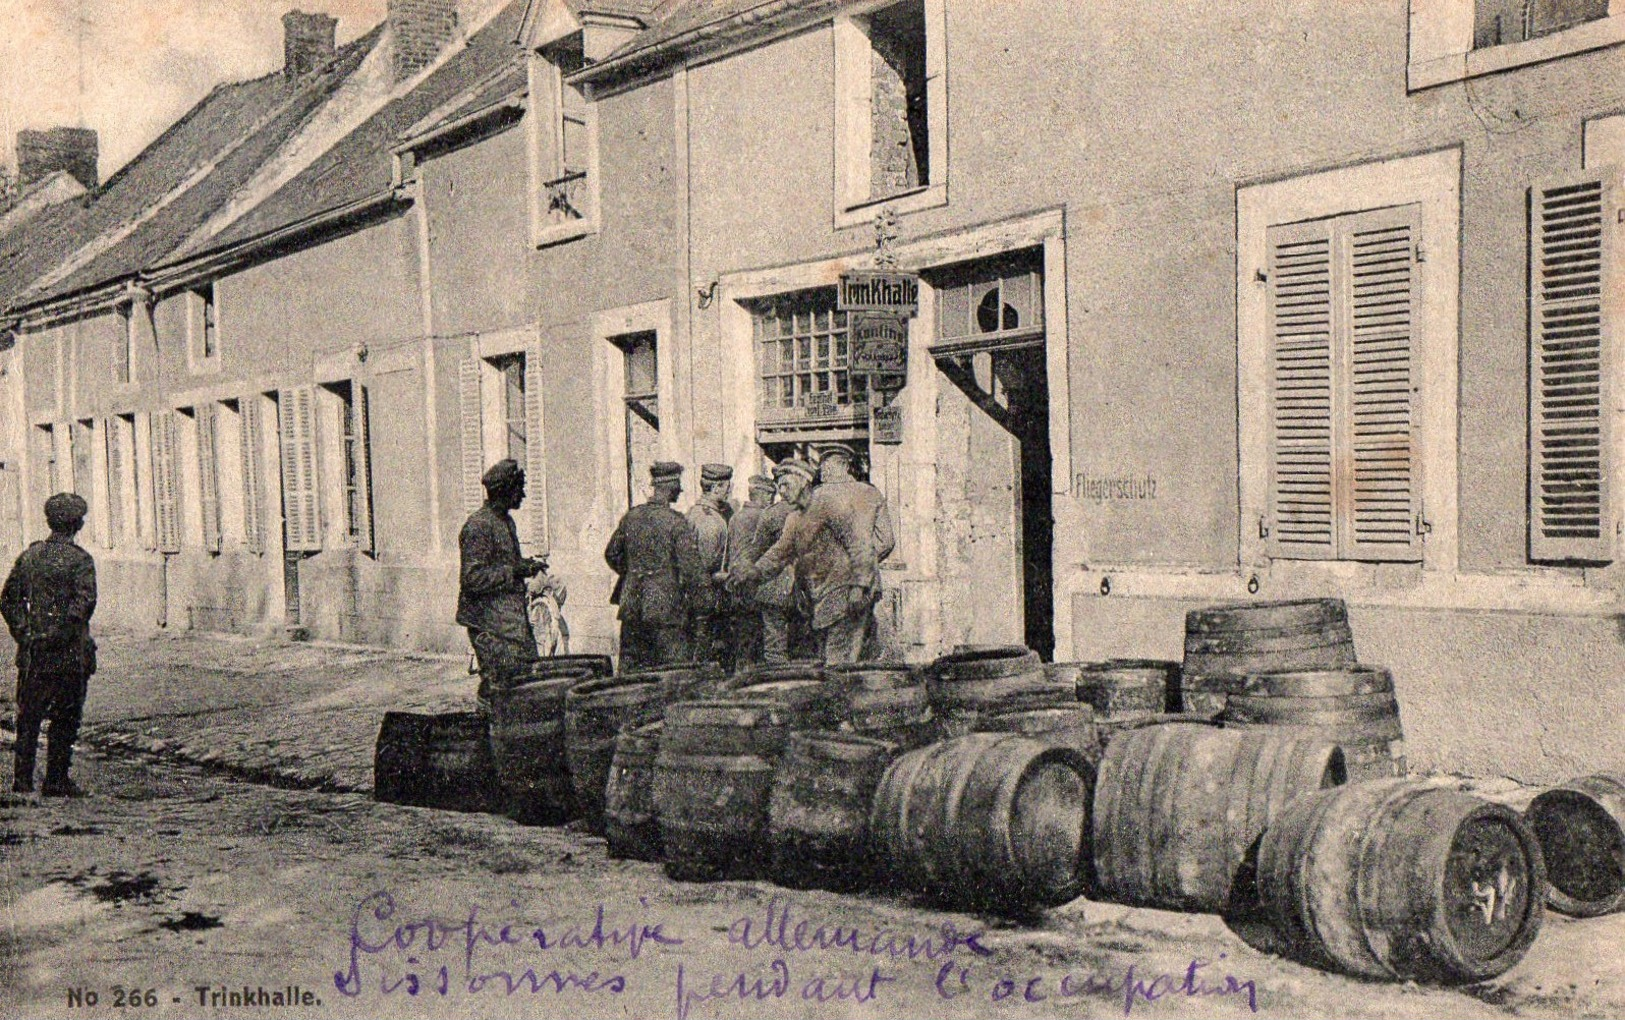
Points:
[22,772]
[58,760]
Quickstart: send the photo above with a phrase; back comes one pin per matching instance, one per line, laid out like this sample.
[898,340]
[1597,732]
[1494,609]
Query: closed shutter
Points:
[208,482]
[166,498]
[1573,302]
[468,403]
[1300,391]
[363,469]
[301,513]
[535,452]
[113,431]
[253,478]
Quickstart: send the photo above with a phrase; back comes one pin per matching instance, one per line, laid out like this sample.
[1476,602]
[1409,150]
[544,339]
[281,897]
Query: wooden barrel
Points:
[439,761]
[818,813]
[990,819]
[1071,726]
[595,712]
[1581,829]
[725,727]
[1261,637]
[762,673]
[1400,880]
[1178,806]
[807,704]
[527,740]
[1353,707]
[997,677]
[558,665]
[630,825]
[881,696]
[1122,689]
[685,680]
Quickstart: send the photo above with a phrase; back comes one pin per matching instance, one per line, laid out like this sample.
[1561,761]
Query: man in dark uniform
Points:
[775,598]
[47,603]
[744,615]
[491,593]
[662,577]
[709,517]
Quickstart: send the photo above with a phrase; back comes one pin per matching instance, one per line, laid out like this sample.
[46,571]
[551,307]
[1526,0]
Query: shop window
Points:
[803,348]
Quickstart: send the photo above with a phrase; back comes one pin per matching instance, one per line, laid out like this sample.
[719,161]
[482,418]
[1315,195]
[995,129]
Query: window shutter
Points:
[363,468]
[1572,295]
[468,401]
[164,487]
[1376,260]
[207,479]
[253,480]
[1301,521]
[301,514]
[535,452]
[114,433]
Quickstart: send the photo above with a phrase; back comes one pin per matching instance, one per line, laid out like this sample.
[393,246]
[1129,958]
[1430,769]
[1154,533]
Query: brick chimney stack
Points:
[421,29]
[42,153]
[307,42]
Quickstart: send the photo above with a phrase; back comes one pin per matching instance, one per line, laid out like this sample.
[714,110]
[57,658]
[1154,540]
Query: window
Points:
[203,328]
[124,347]
[642,398]
[123,485]
[986,305]
[891,109]
[1455,39]
[251,447]
[1498,22]
[82,440]
[49,477]
[230,487]
[567,196]
[501,408]
[507,410]
[802,346]
[166,481]
[296,439]
[348,455]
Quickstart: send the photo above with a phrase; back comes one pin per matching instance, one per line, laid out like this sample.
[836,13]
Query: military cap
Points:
[503,472]
[665,471]
[761,483]
[828,450]
[715,473]
[794,466]
[65,509]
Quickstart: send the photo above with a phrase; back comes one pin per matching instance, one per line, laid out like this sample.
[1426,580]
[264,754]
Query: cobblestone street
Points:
[230,842]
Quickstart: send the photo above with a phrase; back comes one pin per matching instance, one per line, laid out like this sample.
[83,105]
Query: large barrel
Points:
[1122,689]
[440,761]
[1353,707]
[594,713]
[685,680]
[1261,637]
[887,701]
[1071,726]
[1178,806]
[1581,829]
[807,704]
[1400,880]
[818,815]
[990,819]
[768,672]
[990,678]
[630,825]
[527,740]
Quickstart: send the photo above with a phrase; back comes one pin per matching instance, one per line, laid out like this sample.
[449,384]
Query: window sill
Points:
[1592,35]
[559,233]
[862,213]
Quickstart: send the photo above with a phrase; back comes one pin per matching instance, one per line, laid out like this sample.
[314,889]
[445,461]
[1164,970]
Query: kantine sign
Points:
[879,343]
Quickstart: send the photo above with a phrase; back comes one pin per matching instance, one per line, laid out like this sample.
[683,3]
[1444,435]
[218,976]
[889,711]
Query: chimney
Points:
[421,29]
[42,153]
[307,42]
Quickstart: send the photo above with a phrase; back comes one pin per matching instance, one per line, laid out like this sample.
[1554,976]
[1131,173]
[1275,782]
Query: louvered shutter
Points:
[208,483]
[1376,341]
[301,513]
[253,479]
[114,433]
[1301,491]
[1573,290]
[535,452]
[164,481]
[363,468]
[468,401]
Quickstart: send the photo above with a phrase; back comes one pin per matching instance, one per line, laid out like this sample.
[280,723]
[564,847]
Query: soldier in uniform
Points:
[837,545]
[744,616]
[775,598]
[491,596]
[662,578]
[47,603]
[710,516]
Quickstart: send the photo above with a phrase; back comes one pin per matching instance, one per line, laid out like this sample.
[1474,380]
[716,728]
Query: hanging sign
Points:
[876,291]
[886,424]
[879,343]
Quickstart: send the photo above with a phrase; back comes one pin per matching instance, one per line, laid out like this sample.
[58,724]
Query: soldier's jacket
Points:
[47,602]
[662,576]
[709,519]
[779,591]
[491,590]
[742,529]
[836,545]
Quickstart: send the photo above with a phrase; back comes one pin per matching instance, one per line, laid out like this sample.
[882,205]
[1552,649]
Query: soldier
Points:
[775,598]
[491,597]
[662,578]
[47,603]
[744,615]
[837,545]
[710,516]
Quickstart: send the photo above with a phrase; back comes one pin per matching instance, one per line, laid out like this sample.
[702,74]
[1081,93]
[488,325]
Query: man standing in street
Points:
[491,596]
[837,546]
[709,516]
[745,617]
[662,577]
[776,597]
[47,602]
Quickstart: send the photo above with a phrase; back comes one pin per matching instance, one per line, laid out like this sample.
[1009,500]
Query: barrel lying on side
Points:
[594,713]
[527,741]
[1178,806]
[1071,726]
[1399,880]
[1354,707]
[818,816]
[990,819]
[440,761]
[631,826]
[1581,829]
